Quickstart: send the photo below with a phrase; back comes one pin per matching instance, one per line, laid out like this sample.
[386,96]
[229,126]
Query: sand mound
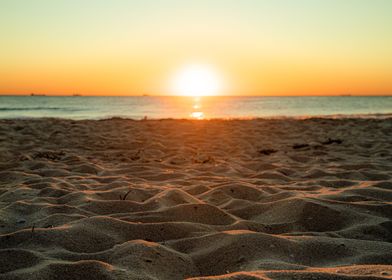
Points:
[178,199]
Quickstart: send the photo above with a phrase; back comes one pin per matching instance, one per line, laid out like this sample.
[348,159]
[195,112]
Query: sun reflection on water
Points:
[196,112]
[197,115]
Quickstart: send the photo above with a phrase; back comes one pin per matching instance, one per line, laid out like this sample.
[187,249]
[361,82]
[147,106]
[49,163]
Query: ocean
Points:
[153,107]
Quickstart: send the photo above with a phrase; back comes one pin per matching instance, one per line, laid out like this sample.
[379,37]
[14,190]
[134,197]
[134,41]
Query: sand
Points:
[179,199]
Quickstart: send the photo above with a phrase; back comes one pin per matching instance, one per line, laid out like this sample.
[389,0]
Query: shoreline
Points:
[380,116]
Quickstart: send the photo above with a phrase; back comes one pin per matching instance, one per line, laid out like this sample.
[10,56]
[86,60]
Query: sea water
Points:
[154,107]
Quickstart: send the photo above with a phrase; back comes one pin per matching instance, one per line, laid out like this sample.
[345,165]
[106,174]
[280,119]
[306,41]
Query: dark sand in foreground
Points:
[178,199]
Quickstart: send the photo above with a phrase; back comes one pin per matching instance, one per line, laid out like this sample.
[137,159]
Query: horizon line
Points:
[157,95]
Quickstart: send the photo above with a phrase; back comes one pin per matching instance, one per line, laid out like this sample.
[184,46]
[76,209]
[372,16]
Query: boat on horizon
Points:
[37,94]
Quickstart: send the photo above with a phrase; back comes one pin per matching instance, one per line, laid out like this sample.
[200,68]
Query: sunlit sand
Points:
[178,199]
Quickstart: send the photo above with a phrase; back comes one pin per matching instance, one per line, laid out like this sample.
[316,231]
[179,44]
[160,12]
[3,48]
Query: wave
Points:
[36,109]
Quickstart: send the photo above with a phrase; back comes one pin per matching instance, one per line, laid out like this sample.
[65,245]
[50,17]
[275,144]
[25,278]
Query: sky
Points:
[134,47]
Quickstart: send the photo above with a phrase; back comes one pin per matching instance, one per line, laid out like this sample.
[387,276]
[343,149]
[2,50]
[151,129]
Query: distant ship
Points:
[36,94]
[76,94]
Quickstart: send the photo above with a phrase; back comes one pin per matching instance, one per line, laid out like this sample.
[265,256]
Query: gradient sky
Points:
[260,47]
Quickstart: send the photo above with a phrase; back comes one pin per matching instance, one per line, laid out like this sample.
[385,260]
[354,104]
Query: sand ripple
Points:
[178,199]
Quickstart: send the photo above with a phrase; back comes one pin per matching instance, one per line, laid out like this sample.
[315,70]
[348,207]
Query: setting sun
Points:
[197,80]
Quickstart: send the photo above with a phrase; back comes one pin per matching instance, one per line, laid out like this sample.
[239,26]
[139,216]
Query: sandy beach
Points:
[182,199]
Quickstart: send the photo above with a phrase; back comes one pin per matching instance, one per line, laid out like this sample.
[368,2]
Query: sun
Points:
[197,80]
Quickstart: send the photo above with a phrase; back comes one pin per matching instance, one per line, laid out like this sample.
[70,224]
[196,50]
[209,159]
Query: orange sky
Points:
[259,47]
